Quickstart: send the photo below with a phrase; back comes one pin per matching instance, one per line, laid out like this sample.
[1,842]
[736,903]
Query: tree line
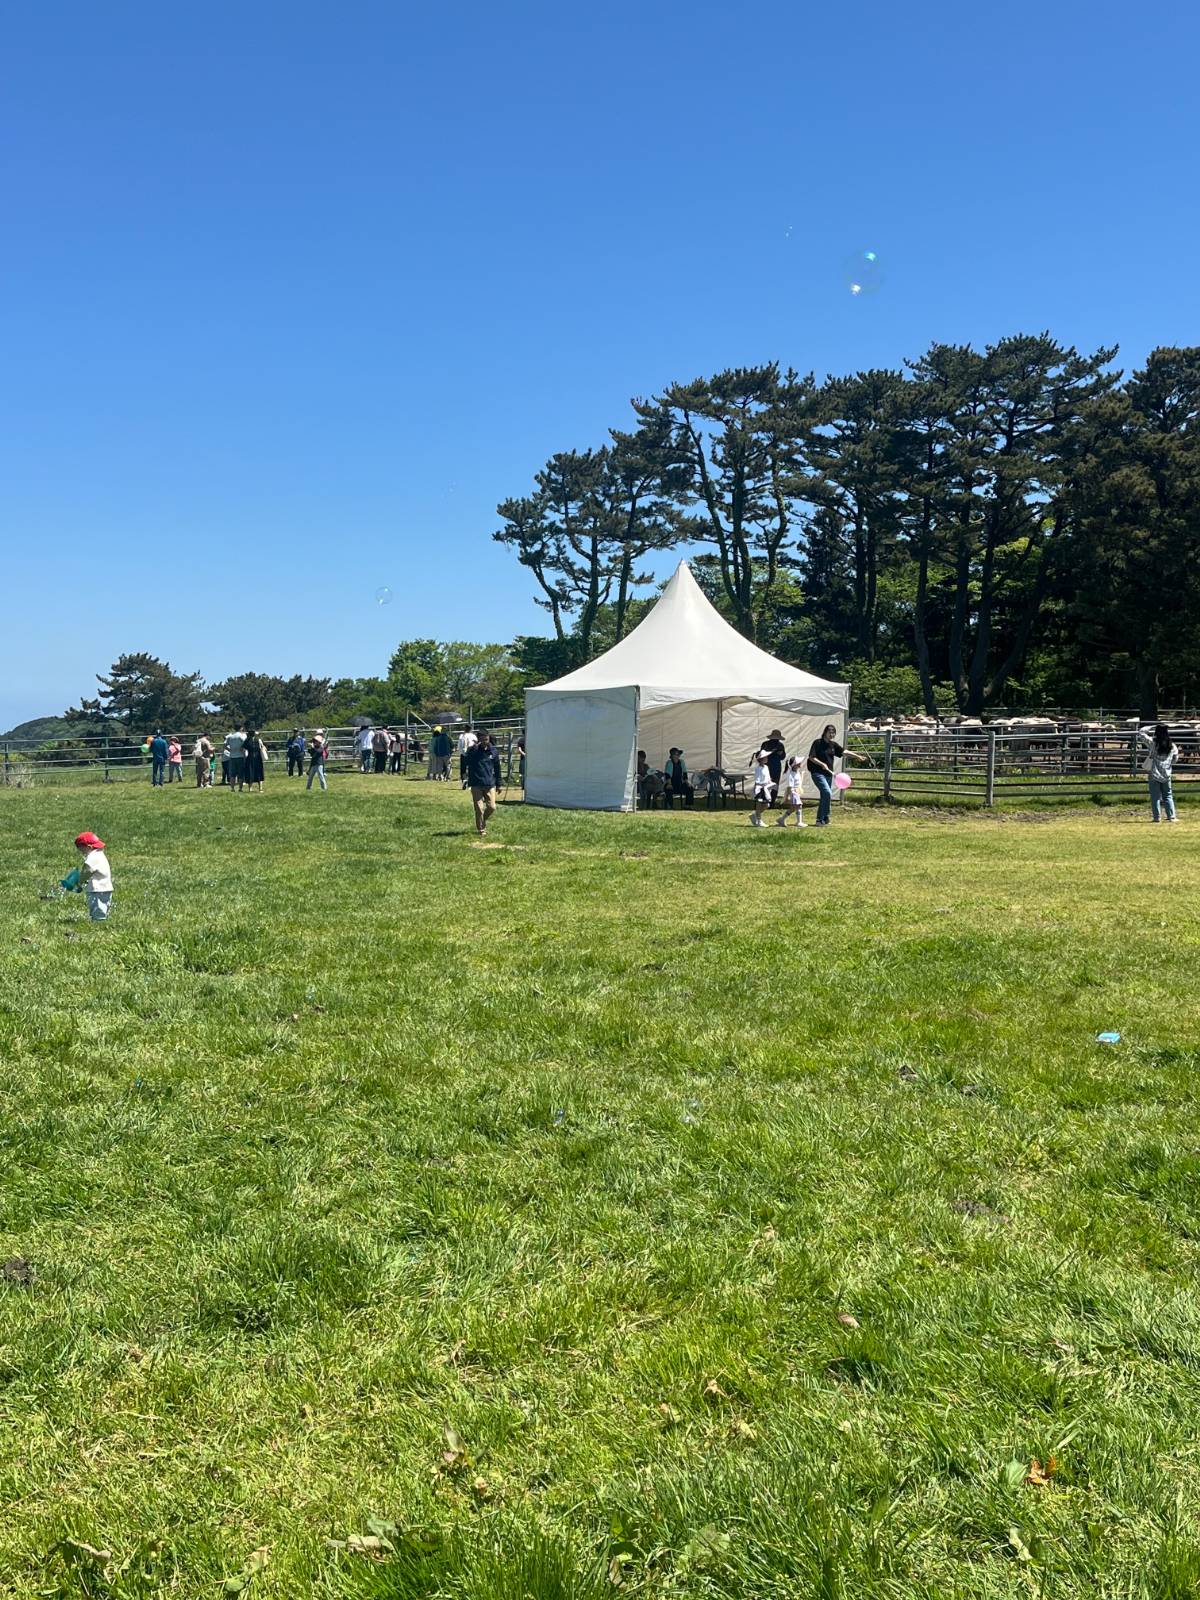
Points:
[1017,525]
[140,692]
[979,528]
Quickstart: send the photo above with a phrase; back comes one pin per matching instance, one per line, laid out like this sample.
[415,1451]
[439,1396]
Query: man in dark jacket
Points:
[483,775]
[439,754]
[158,755]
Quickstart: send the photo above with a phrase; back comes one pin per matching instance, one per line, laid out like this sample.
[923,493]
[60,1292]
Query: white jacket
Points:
[96,872]
[1158,766]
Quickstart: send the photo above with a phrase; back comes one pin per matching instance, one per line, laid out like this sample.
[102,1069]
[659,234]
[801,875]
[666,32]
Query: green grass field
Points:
[638,1206]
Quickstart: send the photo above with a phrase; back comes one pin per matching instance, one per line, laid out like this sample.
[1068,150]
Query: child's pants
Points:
[317,771]
[99,903]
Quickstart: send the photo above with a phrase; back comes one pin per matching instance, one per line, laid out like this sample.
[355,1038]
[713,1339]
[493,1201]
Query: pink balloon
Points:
[842,780]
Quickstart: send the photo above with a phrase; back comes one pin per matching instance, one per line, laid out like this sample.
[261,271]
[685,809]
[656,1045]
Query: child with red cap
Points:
[95,876]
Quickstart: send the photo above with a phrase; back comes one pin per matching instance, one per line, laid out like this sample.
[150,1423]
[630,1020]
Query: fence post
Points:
[407,737]
[1133,753]
[6,763]
[106,776]
[990,799]
[887,764]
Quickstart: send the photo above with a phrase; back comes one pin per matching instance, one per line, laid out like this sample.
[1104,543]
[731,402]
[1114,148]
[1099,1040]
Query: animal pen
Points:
[993,767]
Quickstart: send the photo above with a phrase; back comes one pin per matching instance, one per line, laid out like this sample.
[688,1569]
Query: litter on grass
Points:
[1108,1037]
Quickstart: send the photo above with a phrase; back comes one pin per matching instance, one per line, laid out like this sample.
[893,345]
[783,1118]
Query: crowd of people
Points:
[778,779]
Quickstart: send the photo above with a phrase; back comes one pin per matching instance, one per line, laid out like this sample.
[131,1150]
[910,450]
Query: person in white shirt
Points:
[364,737]
[764,788]
[235,750]
[95,876]
[793,795]
[466,741]
[1161,755]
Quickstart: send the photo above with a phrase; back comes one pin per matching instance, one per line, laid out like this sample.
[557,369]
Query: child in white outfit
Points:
[793,798]
[95,876]
[764,788]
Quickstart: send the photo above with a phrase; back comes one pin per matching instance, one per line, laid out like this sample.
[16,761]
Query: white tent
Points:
[682,677]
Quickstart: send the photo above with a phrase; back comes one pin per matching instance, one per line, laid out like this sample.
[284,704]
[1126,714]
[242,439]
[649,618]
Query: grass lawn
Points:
[640,1206]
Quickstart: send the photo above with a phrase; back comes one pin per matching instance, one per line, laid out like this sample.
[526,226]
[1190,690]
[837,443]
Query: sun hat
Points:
[90,840]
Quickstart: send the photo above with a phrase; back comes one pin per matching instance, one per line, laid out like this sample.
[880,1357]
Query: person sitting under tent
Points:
[675,775]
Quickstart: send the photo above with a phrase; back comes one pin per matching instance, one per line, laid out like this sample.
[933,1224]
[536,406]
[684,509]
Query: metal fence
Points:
[989,768]
[116,755]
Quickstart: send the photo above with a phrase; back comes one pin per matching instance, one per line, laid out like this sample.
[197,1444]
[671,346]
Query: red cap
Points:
[90,841]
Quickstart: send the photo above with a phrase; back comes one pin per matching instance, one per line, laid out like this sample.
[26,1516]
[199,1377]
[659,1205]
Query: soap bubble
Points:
[383,596]
[862,273]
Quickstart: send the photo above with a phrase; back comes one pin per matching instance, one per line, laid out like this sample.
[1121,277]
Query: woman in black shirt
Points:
[822,754]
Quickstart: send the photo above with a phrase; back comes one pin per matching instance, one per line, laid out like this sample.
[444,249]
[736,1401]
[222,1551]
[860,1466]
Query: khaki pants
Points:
[485,805]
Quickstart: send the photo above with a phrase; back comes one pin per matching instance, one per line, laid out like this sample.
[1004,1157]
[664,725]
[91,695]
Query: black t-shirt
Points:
[775,752]
[824,750]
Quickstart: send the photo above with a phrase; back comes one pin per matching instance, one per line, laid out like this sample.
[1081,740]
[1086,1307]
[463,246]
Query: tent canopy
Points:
[682,677]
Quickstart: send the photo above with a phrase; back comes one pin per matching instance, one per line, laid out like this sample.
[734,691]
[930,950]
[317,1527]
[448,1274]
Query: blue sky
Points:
[294,293]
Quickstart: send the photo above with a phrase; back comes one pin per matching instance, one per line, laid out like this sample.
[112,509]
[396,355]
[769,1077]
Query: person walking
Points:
[159,751]
[174,759]
[254,760]
[295,753]
[772,748]
[793,792]
[822,755]
[466,739]
[1161,755]
[317,751]
[764,788]
[235,756]
[93,876]
[483,775]
[439,754]
[363,741]
[202,756]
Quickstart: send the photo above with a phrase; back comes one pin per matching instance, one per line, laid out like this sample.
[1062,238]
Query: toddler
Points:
[764,788]
[793,799]
[93,876]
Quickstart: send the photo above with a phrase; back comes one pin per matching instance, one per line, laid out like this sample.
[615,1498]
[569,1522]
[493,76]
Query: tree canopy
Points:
[983,526]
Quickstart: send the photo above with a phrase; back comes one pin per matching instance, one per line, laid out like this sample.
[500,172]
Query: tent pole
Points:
[720,720]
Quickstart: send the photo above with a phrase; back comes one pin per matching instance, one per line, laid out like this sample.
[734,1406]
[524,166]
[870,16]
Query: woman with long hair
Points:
[255,758]
[1161,755]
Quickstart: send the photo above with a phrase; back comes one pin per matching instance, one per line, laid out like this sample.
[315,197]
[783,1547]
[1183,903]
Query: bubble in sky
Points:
[862,273]
[383,596]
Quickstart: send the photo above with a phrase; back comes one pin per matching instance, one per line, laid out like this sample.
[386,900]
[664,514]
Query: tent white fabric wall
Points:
[682,677]
[586,749]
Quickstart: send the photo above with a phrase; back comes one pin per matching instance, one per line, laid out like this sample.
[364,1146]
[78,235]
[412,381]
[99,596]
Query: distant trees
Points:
[979,527]
[140,692]
[258,698]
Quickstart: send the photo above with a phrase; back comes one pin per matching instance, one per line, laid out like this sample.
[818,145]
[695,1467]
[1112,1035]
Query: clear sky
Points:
[294,293]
